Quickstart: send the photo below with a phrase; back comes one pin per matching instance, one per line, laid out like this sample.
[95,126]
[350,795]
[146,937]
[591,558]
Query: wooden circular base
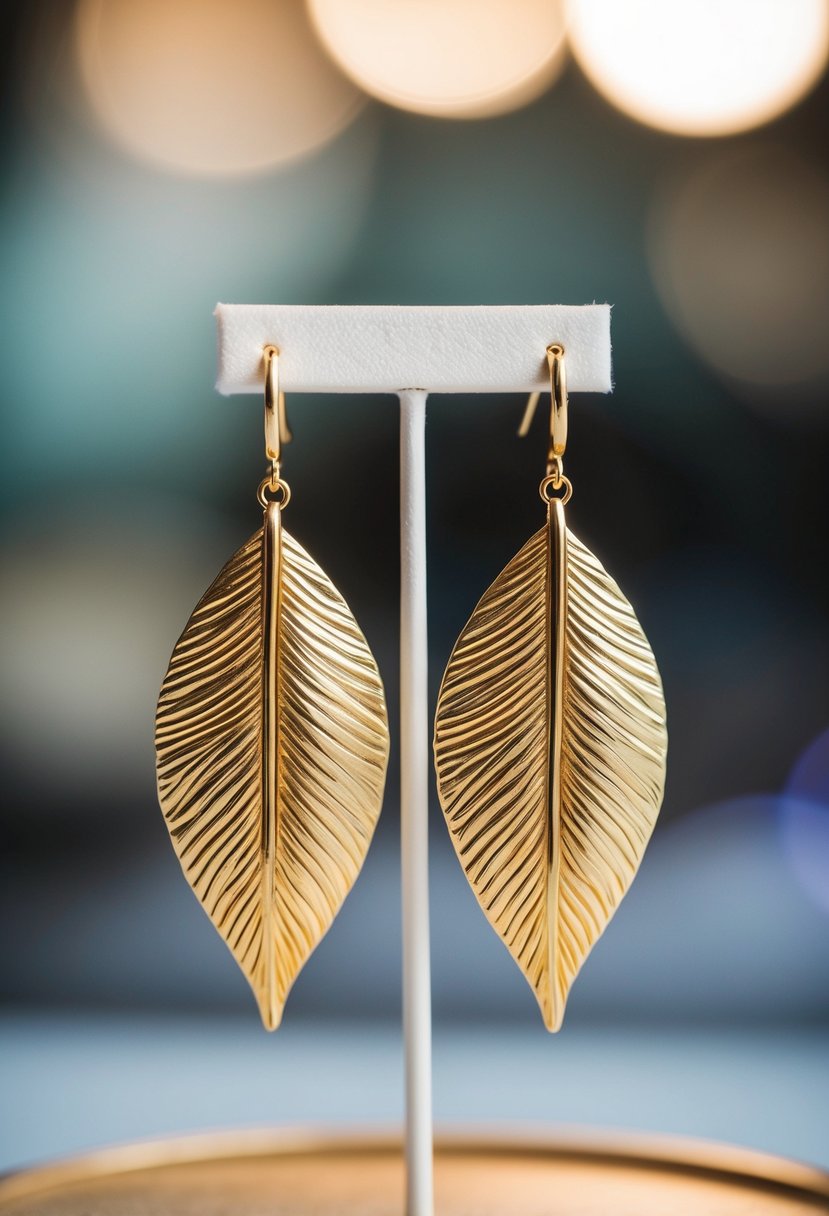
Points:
[308,1174]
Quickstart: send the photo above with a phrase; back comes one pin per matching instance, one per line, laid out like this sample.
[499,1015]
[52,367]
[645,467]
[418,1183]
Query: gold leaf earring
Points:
[550,742]
[272,741]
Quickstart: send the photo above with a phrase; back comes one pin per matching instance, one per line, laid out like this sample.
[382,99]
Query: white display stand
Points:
[411,352]
[370,348]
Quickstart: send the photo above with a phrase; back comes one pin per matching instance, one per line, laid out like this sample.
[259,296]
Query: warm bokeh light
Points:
[739,253]
[115,253]
[450,58]
[206,87]
[711,67]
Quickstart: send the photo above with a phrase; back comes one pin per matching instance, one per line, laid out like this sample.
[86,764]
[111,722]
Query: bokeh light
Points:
[125,482]
[804,820]
[110,257]
[707,67]
[739,253]
[739,649]
[206,87]
[714,912]
[450,58]
[93,598]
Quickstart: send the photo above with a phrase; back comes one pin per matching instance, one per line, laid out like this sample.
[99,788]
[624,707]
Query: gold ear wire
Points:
[277,431]
[558,409]
[529,414]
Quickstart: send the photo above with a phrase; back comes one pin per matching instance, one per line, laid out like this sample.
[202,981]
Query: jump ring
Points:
[276,491]
[552,484]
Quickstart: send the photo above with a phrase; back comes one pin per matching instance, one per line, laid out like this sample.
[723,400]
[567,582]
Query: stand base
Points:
[308,1174]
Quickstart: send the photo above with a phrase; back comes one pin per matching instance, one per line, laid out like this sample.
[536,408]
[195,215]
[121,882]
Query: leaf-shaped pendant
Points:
[272,741]
[550,748]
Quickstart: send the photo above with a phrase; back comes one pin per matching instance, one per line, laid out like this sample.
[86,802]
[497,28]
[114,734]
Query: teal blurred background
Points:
[700,483]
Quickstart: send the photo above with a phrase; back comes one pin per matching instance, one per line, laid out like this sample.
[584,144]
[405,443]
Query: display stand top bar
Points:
[369,348]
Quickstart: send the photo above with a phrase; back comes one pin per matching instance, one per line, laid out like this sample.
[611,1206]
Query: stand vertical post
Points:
[414,805]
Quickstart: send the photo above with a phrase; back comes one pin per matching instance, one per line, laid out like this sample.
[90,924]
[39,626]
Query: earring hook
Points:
[558,407]
[277,431]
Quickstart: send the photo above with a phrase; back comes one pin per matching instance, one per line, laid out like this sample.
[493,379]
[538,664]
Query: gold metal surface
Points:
[291,1173]
[550,747]
[558,406]
[273,489]
[277,431]
[272,742]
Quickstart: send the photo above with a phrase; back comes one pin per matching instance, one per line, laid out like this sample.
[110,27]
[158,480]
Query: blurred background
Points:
[161,155]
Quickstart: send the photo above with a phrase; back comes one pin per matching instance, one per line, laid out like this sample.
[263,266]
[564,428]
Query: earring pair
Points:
[272,742]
